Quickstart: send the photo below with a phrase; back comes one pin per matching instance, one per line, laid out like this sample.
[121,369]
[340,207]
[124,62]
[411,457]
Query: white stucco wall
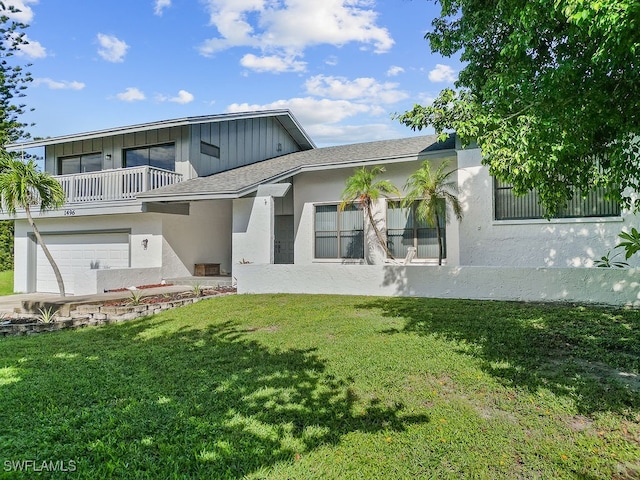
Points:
[203,236]
[534,243]
[319,187]
[141,226]
[583,285]
[174,243]
[253,230]
[89,282]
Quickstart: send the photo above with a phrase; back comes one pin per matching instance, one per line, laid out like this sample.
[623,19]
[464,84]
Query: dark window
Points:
[527,207]
[80,164]
[339,233]
[159,156]
[405,229]
[208,149]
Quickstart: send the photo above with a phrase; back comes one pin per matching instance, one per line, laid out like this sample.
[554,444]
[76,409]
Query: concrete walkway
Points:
[30,302]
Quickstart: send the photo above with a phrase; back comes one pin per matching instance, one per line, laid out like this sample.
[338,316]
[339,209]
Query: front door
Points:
[283,242]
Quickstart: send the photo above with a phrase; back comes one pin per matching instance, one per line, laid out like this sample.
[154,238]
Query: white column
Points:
[253,230]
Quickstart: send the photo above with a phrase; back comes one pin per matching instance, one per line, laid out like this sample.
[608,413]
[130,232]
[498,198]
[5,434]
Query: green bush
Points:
[6,244]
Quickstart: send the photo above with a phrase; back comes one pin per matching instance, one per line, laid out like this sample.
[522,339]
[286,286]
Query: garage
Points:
[77,252]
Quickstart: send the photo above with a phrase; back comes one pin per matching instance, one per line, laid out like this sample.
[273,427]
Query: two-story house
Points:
[251,196]
[106,236]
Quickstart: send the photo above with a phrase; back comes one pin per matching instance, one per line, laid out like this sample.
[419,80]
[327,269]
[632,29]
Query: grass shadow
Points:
[589,354]
[126,400]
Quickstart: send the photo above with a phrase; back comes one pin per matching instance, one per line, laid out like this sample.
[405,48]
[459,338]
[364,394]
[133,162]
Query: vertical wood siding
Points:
[241,142]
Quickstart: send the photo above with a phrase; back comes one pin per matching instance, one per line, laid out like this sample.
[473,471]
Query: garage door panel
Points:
[75,253]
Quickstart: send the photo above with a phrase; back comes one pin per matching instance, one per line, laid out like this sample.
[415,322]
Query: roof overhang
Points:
[285,117]
[253,188]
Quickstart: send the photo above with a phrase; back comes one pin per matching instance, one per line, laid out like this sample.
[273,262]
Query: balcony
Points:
[116,184]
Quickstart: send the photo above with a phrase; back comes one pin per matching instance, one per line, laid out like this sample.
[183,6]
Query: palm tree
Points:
[363,190]
[23,186]
[433,193]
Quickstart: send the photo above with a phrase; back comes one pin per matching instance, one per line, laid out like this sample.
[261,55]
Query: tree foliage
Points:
[23,186]
[363,190]
[434,195]
[550,91]
[6,245]
[13,76]
[13,82]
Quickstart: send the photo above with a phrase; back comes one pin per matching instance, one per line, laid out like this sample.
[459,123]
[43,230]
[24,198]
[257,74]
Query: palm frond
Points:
[22,185]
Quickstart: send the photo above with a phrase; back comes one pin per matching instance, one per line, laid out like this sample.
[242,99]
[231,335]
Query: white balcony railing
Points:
[117,184]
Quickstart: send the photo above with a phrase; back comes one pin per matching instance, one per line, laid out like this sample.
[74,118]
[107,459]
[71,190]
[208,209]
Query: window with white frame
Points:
[339,233]
[405,229]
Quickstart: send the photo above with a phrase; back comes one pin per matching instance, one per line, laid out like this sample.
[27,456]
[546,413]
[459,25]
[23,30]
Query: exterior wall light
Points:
[145,242]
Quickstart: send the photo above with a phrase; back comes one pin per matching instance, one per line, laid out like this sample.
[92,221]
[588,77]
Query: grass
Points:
[6,282]
[291,386]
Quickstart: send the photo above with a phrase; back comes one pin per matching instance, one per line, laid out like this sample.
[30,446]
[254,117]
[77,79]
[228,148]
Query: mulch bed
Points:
[168,297]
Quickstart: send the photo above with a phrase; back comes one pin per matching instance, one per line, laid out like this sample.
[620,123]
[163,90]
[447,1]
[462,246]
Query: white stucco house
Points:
[249,197]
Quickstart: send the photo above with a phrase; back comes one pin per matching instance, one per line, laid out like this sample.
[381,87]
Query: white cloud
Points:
[310,111]
[59,84]
[25,14]
[332,61]
[288,27]
[272,63]
[131,94]
[182,98]
[426,98]
[394,70]
[346,134]
[112,49]
[160,5]
[364,89]
[31,49]
[442,73]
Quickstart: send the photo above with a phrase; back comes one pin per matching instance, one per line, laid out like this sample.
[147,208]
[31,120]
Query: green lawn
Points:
[292,386]
[6,282]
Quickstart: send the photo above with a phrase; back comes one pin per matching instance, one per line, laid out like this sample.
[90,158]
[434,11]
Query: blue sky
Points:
[341,66]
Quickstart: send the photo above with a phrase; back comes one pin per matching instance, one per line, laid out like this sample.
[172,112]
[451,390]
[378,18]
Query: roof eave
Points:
[249,189]
[286,118]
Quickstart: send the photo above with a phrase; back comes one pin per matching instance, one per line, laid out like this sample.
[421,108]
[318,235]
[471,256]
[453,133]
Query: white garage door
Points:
[74,253]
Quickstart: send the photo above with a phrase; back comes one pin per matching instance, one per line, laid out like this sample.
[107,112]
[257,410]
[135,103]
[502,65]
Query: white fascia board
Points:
[179,122]
[273,189]
[72,210]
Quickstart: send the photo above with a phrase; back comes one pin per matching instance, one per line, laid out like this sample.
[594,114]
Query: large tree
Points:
[550,91]
[23,186]
[13,82]
[13,76]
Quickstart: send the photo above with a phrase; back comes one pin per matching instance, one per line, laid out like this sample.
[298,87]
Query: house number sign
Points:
[69,212]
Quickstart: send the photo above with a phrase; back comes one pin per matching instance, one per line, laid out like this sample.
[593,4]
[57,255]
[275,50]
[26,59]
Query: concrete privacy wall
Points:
[583,285]
[89,282]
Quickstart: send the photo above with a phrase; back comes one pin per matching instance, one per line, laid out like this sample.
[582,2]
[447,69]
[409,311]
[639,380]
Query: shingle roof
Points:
[243,180]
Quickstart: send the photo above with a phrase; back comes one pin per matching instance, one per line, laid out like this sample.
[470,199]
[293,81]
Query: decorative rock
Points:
[84,315]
